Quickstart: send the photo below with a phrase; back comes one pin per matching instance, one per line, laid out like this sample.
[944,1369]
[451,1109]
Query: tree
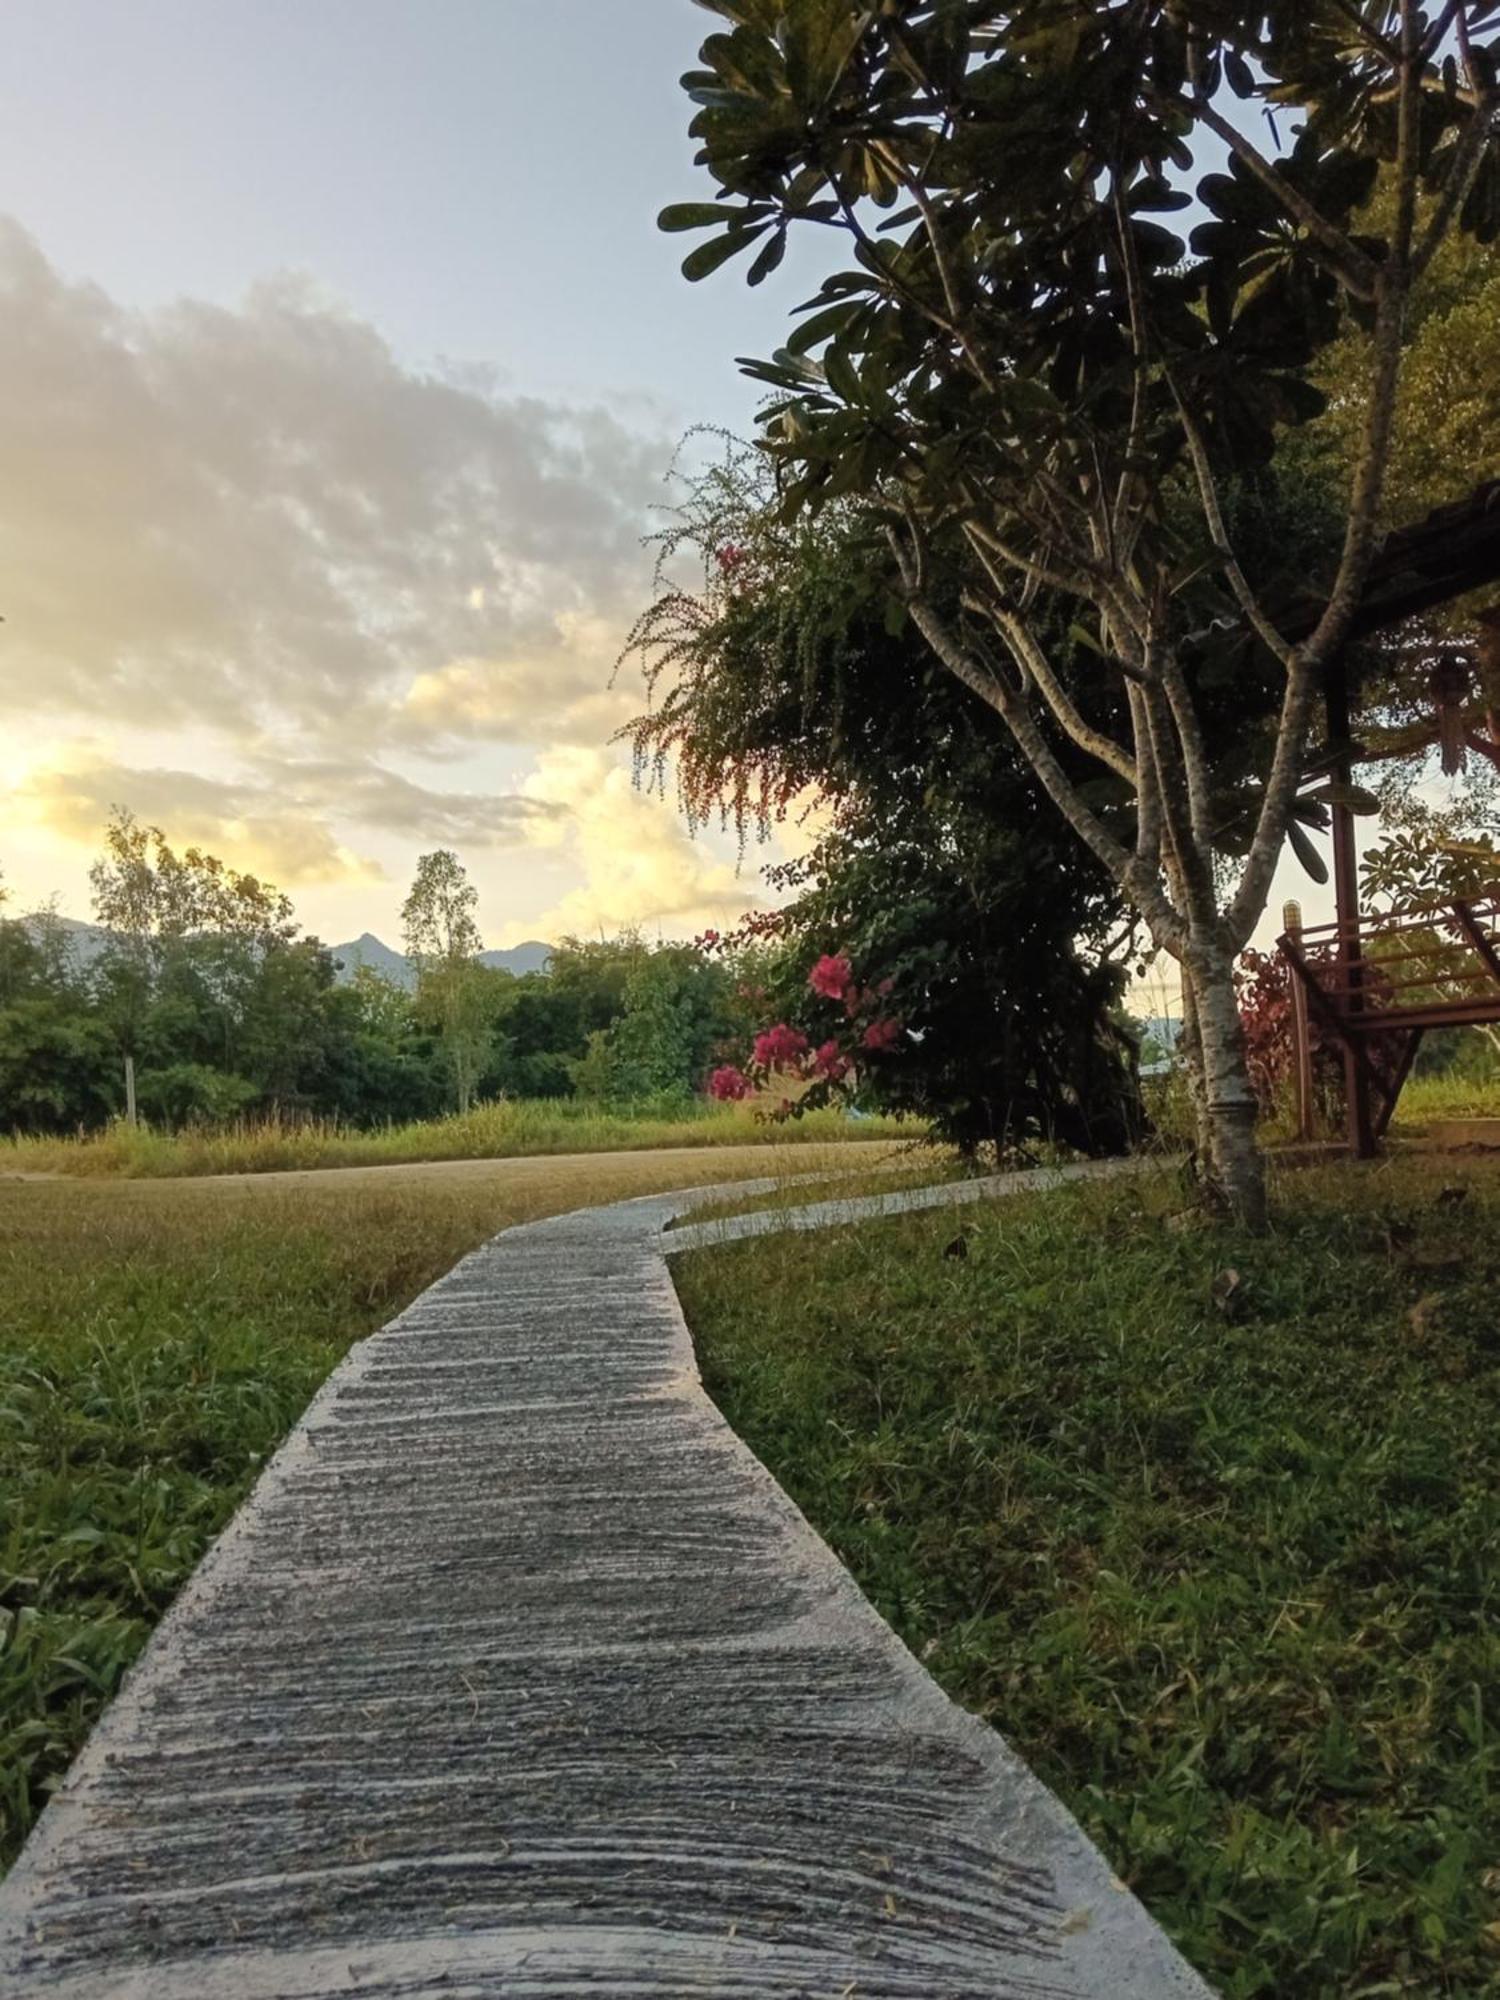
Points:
[1025,373]
[942,868]
[675,1013]
[161,910]
[443,943]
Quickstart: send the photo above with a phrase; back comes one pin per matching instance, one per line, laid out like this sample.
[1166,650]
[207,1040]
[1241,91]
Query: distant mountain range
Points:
[397,968]
[86,941]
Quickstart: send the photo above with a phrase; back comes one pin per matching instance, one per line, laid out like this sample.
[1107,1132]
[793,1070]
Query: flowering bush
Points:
[729,1085]
[780,1048]
[1263,985]
[784,1055]
[832,978]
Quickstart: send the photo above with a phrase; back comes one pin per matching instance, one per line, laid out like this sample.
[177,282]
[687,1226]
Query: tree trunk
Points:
[1234,1166]
[130,1117]
[1190,1051]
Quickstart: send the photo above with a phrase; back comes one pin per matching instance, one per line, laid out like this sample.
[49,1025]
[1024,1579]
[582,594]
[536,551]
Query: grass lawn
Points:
[514,1129]
[1206,1525]
[157,1339]
[1428,1097]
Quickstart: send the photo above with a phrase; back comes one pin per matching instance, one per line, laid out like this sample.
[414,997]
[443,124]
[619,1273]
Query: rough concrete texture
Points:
[519,1676]
[843,1209]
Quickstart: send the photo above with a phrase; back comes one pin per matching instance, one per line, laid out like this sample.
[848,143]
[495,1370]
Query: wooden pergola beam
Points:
[1449,552]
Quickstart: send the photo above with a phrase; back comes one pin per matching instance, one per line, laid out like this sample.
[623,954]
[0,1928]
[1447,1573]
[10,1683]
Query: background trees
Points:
[186,937]
[1038,386]
[443,943]
[227,1011]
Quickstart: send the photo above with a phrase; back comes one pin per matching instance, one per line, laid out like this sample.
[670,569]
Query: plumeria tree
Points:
[1040,387]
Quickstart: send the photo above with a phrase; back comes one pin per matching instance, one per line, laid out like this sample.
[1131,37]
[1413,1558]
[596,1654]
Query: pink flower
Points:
[729,1084]
[830,1061]
[780,1047]
[832,976]
[881,1035]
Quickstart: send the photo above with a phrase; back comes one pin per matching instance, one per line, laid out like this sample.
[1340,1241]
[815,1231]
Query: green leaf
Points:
[1238,74]
[718,250]
[680,215]
[768,259]
[822,326]
[1306,853]
[840,375]
[1355,797]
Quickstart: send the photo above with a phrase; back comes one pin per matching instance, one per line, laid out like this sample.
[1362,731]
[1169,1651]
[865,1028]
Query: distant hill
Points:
[369,950]
[85,942]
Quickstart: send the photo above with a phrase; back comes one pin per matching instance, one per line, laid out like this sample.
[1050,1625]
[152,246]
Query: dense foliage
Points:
[1022,370]
[222,1022]
[937,867]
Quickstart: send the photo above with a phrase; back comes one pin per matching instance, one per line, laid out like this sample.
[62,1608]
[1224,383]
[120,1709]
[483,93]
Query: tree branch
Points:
[1023,645]
[1137,309]
[1468,156]
[1147,784]
[1191,864]
[1244,911]
[1139,883]
[1213,513]
[1347,261]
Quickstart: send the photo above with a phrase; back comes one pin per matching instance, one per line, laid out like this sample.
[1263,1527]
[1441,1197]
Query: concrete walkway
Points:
[518,1676]
[841,1210]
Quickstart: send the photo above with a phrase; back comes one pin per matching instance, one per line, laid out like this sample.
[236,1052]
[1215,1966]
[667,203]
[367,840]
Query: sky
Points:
[342,368]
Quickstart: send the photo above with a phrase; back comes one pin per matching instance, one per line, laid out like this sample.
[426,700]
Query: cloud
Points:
[638,863]
[565,676]
[261,520]
[283,819]
[260,571]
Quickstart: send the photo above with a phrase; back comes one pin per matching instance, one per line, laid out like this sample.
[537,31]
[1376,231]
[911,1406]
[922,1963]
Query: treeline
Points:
[206,1003]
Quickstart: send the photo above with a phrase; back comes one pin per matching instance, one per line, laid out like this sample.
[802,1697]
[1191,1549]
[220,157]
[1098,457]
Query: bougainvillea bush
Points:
[1263,981]
[914,1014]
[861,1031]
[942,869]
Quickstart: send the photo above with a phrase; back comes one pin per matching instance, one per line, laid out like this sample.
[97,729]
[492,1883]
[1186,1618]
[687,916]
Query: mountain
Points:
[530,956]
[533,956]
[85,941]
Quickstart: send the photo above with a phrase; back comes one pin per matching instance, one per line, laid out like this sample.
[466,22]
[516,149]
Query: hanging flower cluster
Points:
[783,1055]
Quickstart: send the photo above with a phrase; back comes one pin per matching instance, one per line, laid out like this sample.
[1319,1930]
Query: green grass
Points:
[512,1129]
[1225,1575]
[1428,1097]
[157,1340]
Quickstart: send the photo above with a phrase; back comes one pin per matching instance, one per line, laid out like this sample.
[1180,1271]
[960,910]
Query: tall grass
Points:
[1448,1096]
[510,1129]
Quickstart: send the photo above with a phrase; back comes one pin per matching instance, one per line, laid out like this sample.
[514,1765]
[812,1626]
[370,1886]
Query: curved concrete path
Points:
[518,1676]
